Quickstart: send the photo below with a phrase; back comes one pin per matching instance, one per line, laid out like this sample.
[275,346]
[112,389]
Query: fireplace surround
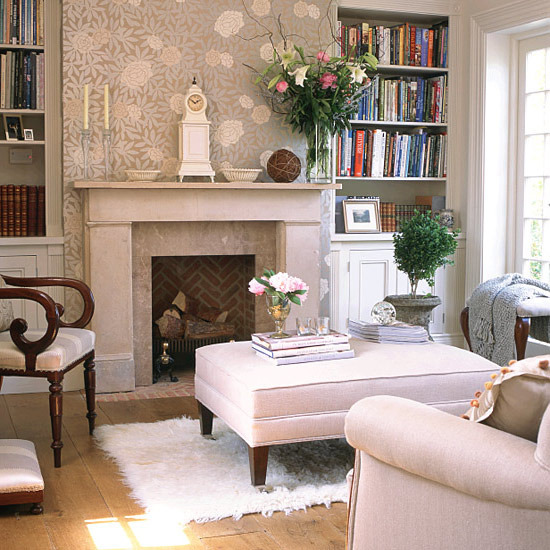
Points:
[127,224]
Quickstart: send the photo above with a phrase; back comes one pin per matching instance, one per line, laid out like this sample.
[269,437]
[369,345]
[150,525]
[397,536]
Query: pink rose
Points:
[298,284]
[328,80]
[280,282]
[282,86]
[323,57]
[256,288]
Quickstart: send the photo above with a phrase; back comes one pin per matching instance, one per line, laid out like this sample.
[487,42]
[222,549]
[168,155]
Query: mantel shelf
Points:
[201,185]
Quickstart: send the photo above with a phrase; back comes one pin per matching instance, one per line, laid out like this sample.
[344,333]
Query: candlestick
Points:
[85,141]
[106,107]
[107,151]
[85,114]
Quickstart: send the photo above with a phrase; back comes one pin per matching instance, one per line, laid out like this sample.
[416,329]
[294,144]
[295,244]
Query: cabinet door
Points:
[22,266]
[372,277]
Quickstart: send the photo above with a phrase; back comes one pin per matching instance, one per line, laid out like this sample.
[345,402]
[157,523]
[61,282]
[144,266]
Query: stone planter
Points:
[415,311]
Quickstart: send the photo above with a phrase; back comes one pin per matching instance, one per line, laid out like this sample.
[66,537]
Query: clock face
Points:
[195,102]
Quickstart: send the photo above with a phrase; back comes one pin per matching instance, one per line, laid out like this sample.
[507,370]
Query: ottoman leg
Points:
[257,457]
[206,417]
[36,508]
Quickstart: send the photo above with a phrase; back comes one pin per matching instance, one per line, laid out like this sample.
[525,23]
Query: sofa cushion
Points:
[542,454]
[6,310]
[70,345]
[516,399]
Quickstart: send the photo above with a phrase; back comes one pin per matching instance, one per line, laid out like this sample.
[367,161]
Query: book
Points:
[325,348]
[394,333]
[329,356]
[264,339]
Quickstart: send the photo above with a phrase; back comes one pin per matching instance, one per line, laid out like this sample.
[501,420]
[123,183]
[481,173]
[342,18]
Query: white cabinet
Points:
[363,272]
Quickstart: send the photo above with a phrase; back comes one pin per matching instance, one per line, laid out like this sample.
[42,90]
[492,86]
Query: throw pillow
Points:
[6,310]
[542,454]
[516,399]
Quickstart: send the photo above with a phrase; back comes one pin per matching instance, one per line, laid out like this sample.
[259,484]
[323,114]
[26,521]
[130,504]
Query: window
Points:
[533,199]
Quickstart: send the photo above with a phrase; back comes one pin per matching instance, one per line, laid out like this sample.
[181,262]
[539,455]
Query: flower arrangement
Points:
[317,94]
[280,286]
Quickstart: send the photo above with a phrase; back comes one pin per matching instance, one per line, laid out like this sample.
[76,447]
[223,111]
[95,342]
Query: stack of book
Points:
[22,210]
[302,349]
[22,22]
[22,80]
[396,333]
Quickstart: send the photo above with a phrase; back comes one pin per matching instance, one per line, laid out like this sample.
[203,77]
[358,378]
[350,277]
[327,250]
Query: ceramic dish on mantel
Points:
[241,175]
[142,175]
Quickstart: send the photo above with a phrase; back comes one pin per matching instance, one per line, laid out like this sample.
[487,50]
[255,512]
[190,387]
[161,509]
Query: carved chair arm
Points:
[79,286]
[18,327]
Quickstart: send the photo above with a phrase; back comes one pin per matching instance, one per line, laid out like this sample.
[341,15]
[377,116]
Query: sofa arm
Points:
[469,457]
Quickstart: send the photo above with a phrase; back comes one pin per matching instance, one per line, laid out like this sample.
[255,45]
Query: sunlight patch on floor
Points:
[136,532]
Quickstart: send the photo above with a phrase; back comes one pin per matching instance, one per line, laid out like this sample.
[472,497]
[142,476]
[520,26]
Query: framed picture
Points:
[29,134]
[13,127]
[362,216]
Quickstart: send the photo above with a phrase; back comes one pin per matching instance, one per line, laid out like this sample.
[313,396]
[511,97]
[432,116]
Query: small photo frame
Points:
[13,127]
[28,134]
[362,216]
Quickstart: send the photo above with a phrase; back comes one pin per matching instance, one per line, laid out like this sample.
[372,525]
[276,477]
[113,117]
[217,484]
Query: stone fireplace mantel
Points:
[128,223]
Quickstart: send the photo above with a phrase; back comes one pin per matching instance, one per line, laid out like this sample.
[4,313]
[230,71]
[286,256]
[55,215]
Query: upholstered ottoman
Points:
[270,405]
[20,478]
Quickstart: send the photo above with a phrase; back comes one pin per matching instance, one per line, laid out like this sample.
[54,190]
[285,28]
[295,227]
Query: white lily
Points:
[287,57]
[300,75]
[358,74]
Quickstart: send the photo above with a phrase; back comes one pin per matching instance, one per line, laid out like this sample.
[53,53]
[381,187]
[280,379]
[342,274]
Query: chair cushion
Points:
[516,399]
[6,310]
[535,307]
[19,468]
[70,345]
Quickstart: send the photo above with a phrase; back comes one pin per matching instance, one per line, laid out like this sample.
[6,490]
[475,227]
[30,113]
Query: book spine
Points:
[311,350]
[4,217]
[359,153]
[41,212]
[24,206]
[31,210]
[11,210]
[299,342]
[310,358]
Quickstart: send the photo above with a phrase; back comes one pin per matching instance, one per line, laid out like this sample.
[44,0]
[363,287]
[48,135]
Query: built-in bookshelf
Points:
[397,146]
[30,120]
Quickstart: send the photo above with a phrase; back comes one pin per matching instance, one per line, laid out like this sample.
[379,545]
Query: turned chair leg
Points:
[464,326]
[521,334]
[206,417]
[56,415]
[257,458]
[89,385]
[1,381]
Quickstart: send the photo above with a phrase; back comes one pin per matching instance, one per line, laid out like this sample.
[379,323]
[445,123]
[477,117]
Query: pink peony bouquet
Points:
[279,284]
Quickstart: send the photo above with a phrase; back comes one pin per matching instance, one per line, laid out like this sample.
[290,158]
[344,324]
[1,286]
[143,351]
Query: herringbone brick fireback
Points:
[216,281]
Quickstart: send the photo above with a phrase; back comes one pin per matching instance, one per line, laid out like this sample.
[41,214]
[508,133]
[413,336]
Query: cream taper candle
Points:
[106,107]
[85,113]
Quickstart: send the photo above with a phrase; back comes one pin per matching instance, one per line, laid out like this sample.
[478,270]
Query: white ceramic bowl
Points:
[141,175]
[241,175]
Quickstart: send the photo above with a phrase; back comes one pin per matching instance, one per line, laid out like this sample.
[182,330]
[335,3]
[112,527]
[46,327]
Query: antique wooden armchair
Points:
[52,353]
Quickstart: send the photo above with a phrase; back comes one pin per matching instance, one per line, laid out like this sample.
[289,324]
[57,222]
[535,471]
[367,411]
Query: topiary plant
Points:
[422,246]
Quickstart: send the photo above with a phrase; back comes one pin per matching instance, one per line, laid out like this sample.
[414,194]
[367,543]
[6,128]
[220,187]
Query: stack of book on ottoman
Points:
[302,349]
[395,333]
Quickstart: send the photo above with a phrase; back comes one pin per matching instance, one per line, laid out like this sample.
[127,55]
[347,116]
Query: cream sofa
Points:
[427,480]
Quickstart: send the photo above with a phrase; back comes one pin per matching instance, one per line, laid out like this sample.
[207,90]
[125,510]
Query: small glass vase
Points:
[278,308]
[319,155]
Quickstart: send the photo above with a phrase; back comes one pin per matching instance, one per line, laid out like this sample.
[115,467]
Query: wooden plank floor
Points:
[87,507]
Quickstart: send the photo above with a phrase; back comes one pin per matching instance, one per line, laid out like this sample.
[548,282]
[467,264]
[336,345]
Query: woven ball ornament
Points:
[284,166]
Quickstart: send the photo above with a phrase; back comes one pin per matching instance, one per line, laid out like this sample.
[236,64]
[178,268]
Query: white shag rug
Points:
[173,471]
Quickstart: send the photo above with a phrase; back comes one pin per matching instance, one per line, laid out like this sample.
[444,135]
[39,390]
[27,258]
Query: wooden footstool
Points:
[269,405]
[20,477]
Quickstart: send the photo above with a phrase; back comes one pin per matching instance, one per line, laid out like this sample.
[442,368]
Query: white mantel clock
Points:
[194,136]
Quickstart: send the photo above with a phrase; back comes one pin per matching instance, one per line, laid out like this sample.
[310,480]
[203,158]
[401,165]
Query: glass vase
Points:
[278,308]
[319,155]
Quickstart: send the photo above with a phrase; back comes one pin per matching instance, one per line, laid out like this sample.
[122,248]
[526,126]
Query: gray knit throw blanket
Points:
[492,315]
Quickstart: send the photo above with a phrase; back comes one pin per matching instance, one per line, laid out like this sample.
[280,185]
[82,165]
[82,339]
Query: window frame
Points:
[524,45]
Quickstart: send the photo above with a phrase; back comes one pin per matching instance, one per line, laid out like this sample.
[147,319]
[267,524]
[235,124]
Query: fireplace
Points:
[129,224]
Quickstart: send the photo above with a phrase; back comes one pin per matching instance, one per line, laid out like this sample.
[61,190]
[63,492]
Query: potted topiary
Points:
[421,247]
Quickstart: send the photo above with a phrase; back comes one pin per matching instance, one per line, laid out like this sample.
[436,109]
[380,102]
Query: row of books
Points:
[404,44]
[21,80]
[22,211]
[393,215]
[406,99]
[395,333]
[377,154]
[22,22]
[301,349]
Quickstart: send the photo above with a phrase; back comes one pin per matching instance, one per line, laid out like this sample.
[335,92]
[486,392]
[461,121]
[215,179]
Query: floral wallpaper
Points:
[148,51]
